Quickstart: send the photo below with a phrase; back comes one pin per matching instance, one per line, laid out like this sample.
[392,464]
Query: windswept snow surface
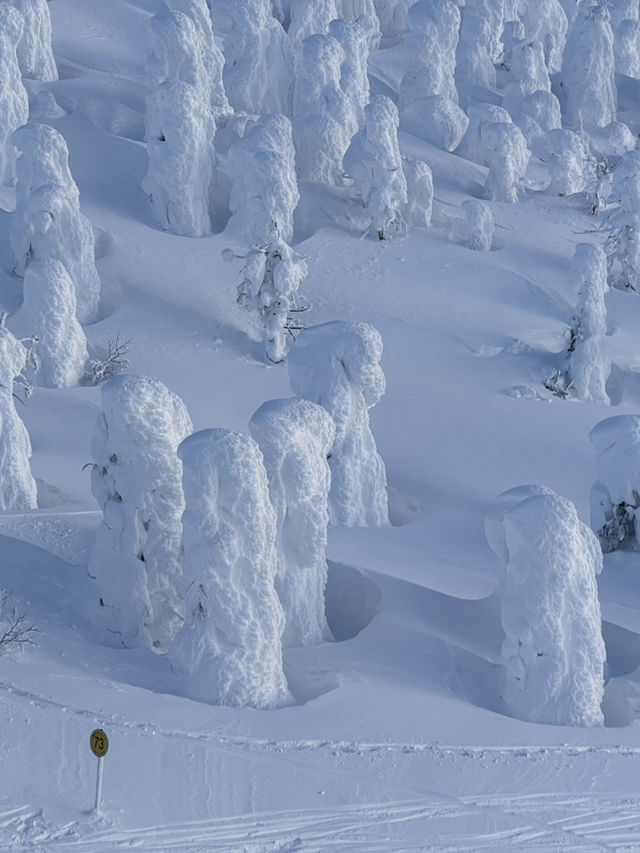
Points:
[397,738]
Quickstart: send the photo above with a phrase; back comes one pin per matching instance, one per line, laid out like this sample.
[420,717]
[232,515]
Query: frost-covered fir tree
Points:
[474,228]
[296,438]
[364,13]
[553,652]
[569,160]
[337,365]
[323,120]
[419,193]
[137,481]
[545,21]
[373,161]
[480,116]
[588,69]
[615,496]
[354,79]
[527,74]
[258,69]
[47,222]
[229,649]
[589,363]
[264,195]
[179,130]
[311,17]
[495,13]
[175,52]
[18,490]
[35,54]
[431,43]
[627,48]
[507,155]
[14,101]
[474,63]
[392,15]
[211,56]
[48,311]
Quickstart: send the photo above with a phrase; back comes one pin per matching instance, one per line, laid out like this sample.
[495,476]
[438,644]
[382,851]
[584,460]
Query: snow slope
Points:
[399,739]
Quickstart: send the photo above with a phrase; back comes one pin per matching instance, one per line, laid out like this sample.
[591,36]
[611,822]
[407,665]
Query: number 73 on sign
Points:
[99,743]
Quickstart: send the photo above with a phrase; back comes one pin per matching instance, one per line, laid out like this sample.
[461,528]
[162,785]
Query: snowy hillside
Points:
[395,718]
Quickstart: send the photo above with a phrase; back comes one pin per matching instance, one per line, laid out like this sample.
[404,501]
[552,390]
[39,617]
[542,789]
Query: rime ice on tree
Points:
[179,129]
[229,649]
[546,22]
[374,162]
[364,13]
[47,222]
[508,156]
[568,159]
[337,365]
[264,195]
[14,101]
[615,496]
[311,17]
[354,79]
[35,55]
[553,652]
[296,437]
[17,486]
[322,114]
[624,262]
[474,228]
[136,480]
[419,193]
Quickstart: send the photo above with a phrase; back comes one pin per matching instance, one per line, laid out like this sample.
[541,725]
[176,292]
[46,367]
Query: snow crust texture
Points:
[137,481]
[553,651]
[230,647]
[337,365]
[296,438]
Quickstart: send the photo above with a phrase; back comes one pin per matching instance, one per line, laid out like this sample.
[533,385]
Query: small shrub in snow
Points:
[296,438]
[615,496]
[17,486]
[35,54]
[16,629]
[179,130]
[337,365]
[47,222]
[589,364]
[113,362]
[136,480]
[419,193]
[374,162]
[14,101]
[553,652]
[264,195]
[508,157]
[230,646]
[569,161]
[474,228]
[48,311]
[588,68]
[258,65]
[322,114]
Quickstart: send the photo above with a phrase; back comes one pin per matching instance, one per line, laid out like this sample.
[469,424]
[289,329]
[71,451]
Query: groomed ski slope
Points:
[399,740]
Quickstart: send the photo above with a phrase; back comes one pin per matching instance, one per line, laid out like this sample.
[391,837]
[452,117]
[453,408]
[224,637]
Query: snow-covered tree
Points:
[622,10]
[48,311]
[569,161]
[14,101]
[624,239]
[296,437]
[230,647]
[546,22]
[419,193]
[392,15]
[480,115]
[528,74]
[495,13]
[337,365]
[136,480]
[311,17]
[431,43]
[35,54]
[211,58]
[507,154]
[179,130]
[474,228]
[627,48]
[18,490]
[474,55]
[264,195]
[354,79]
[364,13]
[589,363]
[553,652]
[537,114]
[588,68]
[258,65]
[615,496]
[323,120]
[47,222]
[373,161]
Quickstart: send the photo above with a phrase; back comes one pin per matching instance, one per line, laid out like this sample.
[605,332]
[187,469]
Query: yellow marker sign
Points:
[99,742]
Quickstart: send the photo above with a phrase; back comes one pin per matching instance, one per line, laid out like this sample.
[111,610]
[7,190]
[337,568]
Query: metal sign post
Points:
[99,743]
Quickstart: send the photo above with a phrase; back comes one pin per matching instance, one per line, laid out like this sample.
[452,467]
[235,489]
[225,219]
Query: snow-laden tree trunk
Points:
[553,652]
[296,437]
[229,649]
[47,222]
[136,480]
[337,365]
